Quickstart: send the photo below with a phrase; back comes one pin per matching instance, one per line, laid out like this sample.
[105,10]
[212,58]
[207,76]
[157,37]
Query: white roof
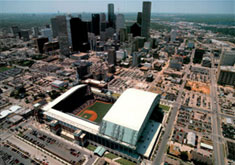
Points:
[14,108]
[4,113]
[204,145]
[229,120]
[57,82]
[191,138]
[131,108]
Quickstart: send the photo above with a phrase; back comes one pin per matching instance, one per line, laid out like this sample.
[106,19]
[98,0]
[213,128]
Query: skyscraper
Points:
[54,27]
[111,16]
[112,56]
[60,29]
[146,15]
[102,17]
[139,18]
[79,35]
[120,22]
[15,30]
[96,24]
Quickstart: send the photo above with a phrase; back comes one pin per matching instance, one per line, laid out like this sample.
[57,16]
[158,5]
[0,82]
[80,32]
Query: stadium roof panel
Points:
[131,109]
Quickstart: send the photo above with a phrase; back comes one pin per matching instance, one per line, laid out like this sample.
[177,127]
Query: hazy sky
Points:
[159,6]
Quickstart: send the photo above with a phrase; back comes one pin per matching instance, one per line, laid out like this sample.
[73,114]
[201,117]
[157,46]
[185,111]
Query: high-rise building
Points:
[227,58]
[111,56]
[173,35]
[135,29]
[111,15]
[47,33]
[24,34]
[226,75]
[61,29]
[79,35]
[120,22]
[102,17]
[15,30]
[35,31]
[139,18]
[123,34]
[135,59]
[146,16]
[40,43]
[103,23]
[96,24]
[54,27]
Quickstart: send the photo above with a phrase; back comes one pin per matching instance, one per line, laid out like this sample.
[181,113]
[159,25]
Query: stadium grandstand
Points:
[121,126]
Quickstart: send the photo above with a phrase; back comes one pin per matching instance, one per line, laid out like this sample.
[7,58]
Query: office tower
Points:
[139,18]
[79,35]
[135,29]
[226,69]
[35,31]
[123,34]
[121,54]
[226,75]
[40,44]
[135,59]
[24,34]
[96,24]
[92,41]
[227,58]
[15,31]
[111,56]
[54,27]
[88,26]
[146,16]
[173,35]
[120,22]
[102,17]
[47,33]
[60,29]
[111,16]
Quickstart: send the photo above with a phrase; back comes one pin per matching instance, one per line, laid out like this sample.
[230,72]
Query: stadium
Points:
[123,126]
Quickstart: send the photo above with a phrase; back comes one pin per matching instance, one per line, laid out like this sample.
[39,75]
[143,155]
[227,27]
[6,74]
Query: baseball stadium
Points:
[124,126]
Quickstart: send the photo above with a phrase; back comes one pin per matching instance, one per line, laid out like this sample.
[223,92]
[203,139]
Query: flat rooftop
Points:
[131,108]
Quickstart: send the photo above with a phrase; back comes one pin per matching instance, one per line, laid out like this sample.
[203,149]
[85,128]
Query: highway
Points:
[163,144]
[216,126]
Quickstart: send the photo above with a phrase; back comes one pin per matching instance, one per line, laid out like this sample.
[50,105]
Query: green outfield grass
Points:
[100,108]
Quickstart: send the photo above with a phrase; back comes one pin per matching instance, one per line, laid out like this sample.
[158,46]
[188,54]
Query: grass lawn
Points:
[125,162]
[164,107]
[110,156]
[91,147]
[4,68]
[101,109]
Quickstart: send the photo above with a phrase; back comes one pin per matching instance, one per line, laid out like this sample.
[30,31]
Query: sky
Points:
[121,6]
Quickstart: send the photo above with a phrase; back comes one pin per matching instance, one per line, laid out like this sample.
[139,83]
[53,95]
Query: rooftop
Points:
[131,108]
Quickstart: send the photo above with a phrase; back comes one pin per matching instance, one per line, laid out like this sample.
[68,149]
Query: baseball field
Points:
[95,112]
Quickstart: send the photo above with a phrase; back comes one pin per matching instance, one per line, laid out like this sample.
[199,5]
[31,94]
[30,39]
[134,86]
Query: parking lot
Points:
[54,146]
[194,120]
[199,77]
[195,99]
[12,154]
[9,73]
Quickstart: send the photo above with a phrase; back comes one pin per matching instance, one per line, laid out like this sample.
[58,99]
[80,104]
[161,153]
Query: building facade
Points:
[146,16]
